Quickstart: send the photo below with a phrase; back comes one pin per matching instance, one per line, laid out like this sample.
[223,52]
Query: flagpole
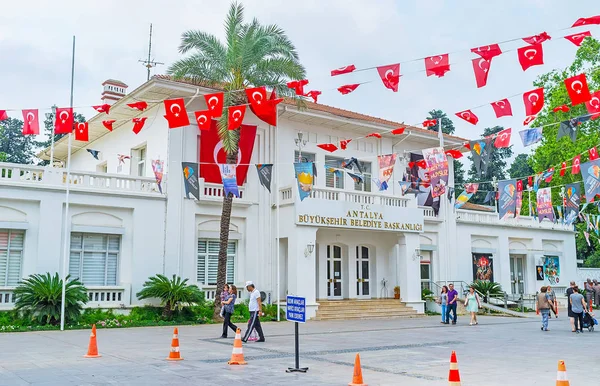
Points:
[52,136]
[66,217]
[446,208]
[277,193]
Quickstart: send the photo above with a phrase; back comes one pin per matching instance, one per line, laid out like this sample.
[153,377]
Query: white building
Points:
[123,230]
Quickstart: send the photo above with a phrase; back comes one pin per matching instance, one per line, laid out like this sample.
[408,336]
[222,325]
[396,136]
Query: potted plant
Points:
[397,292]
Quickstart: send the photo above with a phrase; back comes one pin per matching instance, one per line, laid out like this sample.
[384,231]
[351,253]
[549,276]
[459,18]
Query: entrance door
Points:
[363,266]
[517,274]
[334,272]
[426,270]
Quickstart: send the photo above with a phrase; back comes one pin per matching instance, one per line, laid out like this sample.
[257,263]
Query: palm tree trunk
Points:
[223,241]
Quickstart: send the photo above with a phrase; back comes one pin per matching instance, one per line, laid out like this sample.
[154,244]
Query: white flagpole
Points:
[446,206]
[52,136]
[277,193]
[66,220]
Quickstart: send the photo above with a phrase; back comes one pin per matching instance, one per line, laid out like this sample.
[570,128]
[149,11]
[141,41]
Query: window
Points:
[138,158]
[208,261]
[365,186]
[334,175]
[94,258]
[11,256]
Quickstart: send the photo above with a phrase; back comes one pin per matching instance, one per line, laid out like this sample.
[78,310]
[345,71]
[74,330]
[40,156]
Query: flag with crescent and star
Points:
[175,113]
[63,123]
[203,119]
[468,116]
[578,38]
[109,124]
[539,38]
[190,179]
[82,131]
[437,65]
[503,138]
[534,101]
[586,21]
[264,109]
[229,179]
[481,68]
[573,200]
[141,105]
[298,86]
[593,105]
[214,104]
[343,70]
[235,116]
[578,90]
[487,52]
[390,76]
[544,205]
[590,173]
[31,124]
[507,203]
[158,169]
[138,124]
[502,108]
[576,165]
[530,56]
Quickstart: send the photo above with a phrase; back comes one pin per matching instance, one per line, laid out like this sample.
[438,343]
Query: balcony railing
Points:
[98,297]
[491,218]
[287,196]
[211,190]
[40,176]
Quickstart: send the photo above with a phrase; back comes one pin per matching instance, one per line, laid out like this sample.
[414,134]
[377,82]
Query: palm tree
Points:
[173,293]
[253,55]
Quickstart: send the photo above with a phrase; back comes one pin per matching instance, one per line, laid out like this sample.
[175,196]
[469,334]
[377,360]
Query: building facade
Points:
[346,241]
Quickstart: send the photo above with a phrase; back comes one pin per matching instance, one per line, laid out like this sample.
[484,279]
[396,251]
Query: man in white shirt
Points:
[255,308]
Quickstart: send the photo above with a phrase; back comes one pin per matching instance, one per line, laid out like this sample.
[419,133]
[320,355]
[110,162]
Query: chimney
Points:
[113,91]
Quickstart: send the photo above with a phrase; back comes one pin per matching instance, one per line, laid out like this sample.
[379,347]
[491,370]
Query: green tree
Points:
[448,128]
[520,167]
[174,293]
[552,152]
[496,167]
[252,55]
[17,148]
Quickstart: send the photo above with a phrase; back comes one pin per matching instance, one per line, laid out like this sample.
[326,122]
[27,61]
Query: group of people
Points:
[448,301]
[228,298]
[577,306]
[592,292]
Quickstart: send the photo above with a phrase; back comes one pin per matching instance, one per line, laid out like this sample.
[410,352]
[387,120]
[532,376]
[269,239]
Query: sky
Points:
[111,36]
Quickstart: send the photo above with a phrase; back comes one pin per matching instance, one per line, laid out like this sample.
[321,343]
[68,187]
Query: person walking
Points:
[552,300]
[452,299]
[255,308]
[542,306]
[569,310]
[228,307]
[578,306]
[443,302]
[589,292]
[473,304]
[597,293]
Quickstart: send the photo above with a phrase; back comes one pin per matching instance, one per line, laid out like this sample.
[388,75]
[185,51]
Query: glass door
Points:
[517,274]
[334,272]
[363,266]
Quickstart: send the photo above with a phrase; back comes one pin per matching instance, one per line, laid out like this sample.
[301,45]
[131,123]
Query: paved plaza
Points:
[499,351]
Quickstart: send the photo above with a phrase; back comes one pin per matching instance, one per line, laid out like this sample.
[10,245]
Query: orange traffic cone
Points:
[174,354]
[357,379]
[93,346]
[561,375]
[237,356]
[453,375]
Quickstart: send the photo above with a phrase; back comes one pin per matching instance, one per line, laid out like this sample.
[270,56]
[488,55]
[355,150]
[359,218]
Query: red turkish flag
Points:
[534,101]
[429,123]
[503,138]
[563,108]
[502,108]
[108,124]
[31,124]
[578,90]
[536,39]
[214,103]
[344,143]
[3,115]
[587,21]
[550,175]
[576,163]
[176,114]
[437,65]
[530,56]
[257,96]
[593,153]
[529,119]
[487,52]
[398,131]
[593,105]
[343,70]
[314,94]
[298,86]
[376,135]
[422,164]
[212,153]
[235,117]
[519,185]
[105,108]
[530,181]
[467,145]
[138,123]
[577,39]
[481,67]
[264,109]
[82,132]
[330,147]
[390,76]
[347,89]
[563,169]
[64,120]
[203,119]
[454,153]
[138,105]
[468,116]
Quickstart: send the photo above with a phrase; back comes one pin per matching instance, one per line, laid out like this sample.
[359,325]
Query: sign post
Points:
[296,312]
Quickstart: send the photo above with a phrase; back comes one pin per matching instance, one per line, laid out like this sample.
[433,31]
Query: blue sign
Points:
[296,309]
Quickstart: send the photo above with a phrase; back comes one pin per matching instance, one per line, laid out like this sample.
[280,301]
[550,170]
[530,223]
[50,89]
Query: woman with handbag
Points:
[443,302]
[473,304]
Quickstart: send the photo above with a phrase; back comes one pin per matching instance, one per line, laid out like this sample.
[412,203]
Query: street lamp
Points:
[300,143]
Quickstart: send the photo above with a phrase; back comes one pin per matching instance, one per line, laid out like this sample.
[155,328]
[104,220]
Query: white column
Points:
[409,272]
[302,272]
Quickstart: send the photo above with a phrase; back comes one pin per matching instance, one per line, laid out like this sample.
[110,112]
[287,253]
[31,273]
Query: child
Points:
[224,295]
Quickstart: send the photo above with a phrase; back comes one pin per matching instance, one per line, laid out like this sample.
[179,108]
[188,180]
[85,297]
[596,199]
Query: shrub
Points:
[483,287]
[174,293]
[41,295]
[270,311]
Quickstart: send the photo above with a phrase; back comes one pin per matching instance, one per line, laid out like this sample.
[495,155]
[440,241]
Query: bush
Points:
[483,287]
[40,296]
[174,293]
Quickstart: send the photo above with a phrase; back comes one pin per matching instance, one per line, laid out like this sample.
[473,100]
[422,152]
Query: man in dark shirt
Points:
[452,300]
[569,311]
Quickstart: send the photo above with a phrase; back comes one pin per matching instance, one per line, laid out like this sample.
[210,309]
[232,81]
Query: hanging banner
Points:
[437,167]
[573,200]
[480,152]
[157,168]
[228,176]
[590,171]
[483,267]
[304,176]
[419,178]
[386,167]
[462,199]
[519,204]
[507,204]
[552,269]
[190,179]
[265,172]
[544,205]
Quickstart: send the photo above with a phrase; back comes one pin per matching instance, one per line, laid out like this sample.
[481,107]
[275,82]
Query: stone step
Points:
[372,310]
[362,306]
[366,316]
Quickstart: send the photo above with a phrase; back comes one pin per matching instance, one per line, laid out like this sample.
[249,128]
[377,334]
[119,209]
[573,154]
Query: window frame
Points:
[207,254]
[338,178]
[366,178]
[107,251]
[8,249]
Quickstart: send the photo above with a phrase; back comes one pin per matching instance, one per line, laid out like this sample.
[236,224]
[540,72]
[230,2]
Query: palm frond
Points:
[198,68]
[202,41]
[233,25]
